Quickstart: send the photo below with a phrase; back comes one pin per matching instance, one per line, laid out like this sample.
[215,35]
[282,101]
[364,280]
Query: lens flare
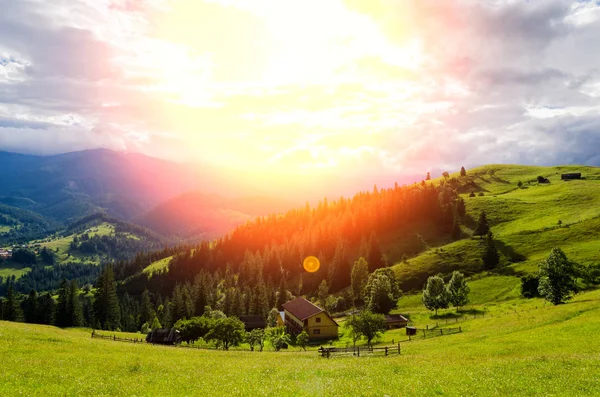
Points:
[311,264]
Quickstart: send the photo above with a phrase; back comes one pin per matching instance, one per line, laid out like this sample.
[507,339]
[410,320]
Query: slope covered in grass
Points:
[525,221]
[548,350]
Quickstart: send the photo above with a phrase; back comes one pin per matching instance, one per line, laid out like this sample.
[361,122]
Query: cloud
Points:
[379,87]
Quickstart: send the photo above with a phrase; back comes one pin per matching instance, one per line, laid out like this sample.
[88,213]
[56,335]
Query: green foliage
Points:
[435,295]
[302,340]
[278,337]
[382,291]
[359,278]
[272,318]
[226,332]
[367,324]
[323,292]
[106,303]
[557,277]
[529,286]
[145,328]
[256,337]
[24,256]
[491,256]
[458,290]
[482,228]
[155,324]
[195,328]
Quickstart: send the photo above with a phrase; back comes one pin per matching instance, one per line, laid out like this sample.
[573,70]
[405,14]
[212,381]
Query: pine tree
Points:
[74,304]
[47,309]
[281,295]
[62,305]
[456,231]
[375,256]
[147,313]
[12,310]
[30,308]
[483,227]
[428,177]
[359,277]
[106,303]
[460,207]
[491,257]
[463,172]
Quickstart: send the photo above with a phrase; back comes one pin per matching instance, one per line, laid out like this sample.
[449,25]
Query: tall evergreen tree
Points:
[483,227]
[30,308]
[463,172]
[12,309]
[491,257]
[359,277]
[147,312]
[74,304]
[62,305]
[47,309]
[106,303]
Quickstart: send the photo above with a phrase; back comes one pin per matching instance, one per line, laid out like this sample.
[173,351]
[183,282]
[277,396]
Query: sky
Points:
[305,88]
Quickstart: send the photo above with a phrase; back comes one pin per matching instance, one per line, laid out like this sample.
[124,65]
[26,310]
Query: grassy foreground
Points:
[543,351]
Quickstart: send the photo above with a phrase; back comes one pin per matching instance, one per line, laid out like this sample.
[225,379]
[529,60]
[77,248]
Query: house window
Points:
[316,332]
[318,319]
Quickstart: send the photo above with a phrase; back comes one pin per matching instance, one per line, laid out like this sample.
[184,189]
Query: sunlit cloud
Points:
[369,87]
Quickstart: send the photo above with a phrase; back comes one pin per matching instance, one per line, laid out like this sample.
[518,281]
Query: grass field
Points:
[525,221]
[62,244]
[540,350]
[158,266]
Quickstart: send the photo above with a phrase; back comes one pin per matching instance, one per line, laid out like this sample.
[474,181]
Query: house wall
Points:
[327,328]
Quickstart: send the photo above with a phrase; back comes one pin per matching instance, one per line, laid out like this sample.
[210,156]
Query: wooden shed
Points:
[395,321]
[163,336]
[574,175]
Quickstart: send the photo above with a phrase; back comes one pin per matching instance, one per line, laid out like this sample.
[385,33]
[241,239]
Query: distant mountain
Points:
[67,186]
[195,214]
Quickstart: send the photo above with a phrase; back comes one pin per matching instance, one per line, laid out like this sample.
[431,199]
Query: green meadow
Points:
[525,221]
[521,347]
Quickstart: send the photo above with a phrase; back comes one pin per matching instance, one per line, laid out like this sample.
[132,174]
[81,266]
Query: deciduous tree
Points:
[435,295]
[557,277]
[458,290]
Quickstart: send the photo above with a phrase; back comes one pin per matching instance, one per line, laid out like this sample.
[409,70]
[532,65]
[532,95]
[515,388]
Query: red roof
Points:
[301,308]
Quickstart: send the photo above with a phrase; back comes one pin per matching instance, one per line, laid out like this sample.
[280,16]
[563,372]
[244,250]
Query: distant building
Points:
[575,175]
[302,315]
[395,321]
[253,322]
[163,336]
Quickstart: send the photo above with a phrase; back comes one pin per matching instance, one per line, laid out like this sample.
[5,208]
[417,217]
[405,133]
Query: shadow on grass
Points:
[512,255]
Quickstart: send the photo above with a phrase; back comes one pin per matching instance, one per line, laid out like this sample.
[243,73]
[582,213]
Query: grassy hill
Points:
[524,348]
[525,221]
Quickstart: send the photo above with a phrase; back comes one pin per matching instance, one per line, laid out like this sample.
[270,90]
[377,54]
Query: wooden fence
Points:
[117,339]
[425,333]
[358,350]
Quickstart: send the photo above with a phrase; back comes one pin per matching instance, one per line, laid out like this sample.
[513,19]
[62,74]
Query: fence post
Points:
[441,332]
[423,334]
[459,330]
[358,351]
[114,337]
[398,347]
[386,349]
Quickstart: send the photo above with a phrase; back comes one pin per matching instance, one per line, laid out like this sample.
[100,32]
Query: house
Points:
[575,175]
[395,321]
[302,315]
[281,319]
[163,336]
[253,322]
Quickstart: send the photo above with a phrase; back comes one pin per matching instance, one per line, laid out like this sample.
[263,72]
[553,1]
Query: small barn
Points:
[395,321]
[570,176]
[163,336]
[253,322]
[302,315]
